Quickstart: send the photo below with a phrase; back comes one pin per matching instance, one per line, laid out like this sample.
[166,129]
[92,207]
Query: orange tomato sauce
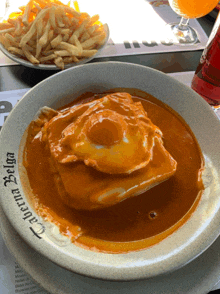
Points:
[137,222]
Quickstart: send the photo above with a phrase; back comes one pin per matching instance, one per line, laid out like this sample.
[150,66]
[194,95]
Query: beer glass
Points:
[189,9]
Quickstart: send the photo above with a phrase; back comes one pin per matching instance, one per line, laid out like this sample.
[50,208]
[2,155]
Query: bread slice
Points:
[83,187]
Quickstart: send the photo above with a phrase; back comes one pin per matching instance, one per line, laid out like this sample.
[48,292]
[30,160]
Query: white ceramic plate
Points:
[198,277]
[50,66]
[173,252]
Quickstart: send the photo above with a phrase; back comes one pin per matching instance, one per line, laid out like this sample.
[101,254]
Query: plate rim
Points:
[39,275]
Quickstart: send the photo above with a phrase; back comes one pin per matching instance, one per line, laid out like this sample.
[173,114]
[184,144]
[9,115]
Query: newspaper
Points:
[8,99]
[13,279]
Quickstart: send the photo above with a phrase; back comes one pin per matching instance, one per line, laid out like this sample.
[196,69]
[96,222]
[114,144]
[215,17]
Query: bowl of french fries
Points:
[50,35]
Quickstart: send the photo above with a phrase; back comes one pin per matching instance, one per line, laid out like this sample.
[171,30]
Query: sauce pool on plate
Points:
[136,222]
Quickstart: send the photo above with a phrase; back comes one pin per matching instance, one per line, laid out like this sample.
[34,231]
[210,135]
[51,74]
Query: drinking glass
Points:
[189,9]
[206,80]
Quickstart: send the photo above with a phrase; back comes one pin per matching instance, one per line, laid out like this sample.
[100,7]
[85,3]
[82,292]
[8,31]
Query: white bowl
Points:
[185,244]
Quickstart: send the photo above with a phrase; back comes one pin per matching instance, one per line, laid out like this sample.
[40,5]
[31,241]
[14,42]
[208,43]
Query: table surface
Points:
[19,77]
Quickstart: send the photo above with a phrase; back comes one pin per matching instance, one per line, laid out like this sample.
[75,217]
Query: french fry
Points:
[44,38]
[59,17]
[50,35]
[59,62]
[92,41]
[24,30]
[47,58]
[89,53]
[37,6]
[29,56]
[102,41]
[74,22]
[48,31]
[77,43]
[18,27]
[41,14]
[75,59]
[38,50]
[68,59]
[84,37]
[39,28]
[5,42]
[27,13]
[7,31]
[28,36]
[79,31]
[12,21]
[93,19]
[56,41]
[70,10]
[76,6]
[63,31]
[16,51]
[5,25]
[69,47]
[12,40]
[66,21]
[53,17]
[62,53]
[22,8]
[41,3]
[92,29]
